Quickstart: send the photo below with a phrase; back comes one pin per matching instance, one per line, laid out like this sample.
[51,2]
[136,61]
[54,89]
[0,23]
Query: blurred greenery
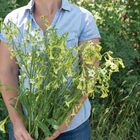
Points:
[116,117]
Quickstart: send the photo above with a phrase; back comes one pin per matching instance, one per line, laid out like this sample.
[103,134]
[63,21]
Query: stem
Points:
[29,125]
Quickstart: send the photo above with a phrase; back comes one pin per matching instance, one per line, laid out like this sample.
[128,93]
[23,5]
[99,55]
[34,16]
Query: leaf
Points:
[36,133]
[53,122]
[48,86]
[44,128]
[69,73]
[64,79]
[11,88]
[39,83]
[3,84]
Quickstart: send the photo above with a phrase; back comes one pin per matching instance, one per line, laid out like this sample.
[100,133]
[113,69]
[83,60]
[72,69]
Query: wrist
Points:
[16,120]
[56,134]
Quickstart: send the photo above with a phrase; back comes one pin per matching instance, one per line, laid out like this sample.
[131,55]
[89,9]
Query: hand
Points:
[20,131]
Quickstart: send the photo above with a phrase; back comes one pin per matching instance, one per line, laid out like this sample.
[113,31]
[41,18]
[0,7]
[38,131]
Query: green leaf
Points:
[3,84]
[53,122]
[36,133]
[44,128]
[11,88]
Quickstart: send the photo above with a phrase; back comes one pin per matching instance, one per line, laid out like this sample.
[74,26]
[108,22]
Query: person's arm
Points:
[8,75]
[83,99]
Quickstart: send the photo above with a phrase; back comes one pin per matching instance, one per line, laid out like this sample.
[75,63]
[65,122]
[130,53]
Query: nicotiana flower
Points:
[109,62]
[31,81]
[22,68]
[114,66]
[91,83]
[92,43]
[39,38]
[82,79]
[91,73]
[83,92]
[42,48]
[34,43]
[22,76]
[38,53]
[103,71]
[6,34]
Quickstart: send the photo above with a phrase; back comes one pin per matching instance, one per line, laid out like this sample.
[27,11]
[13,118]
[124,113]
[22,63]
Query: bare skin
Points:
[9,70]
[8,75]
[46,8]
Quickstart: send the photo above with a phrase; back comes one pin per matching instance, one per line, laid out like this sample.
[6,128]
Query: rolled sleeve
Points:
[89,28]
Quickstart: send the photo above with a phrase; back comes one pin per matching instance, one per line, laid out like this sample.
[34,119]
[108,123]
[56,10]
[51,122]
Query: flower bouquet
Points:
[52,80]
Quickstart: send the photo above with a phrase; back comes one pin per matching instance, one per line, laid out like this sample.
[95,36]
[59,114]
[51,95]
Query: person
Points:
[67,17]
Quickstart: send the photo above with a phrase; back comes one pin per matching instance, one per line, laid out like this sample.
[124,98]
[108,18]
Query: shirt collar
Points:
[65,5]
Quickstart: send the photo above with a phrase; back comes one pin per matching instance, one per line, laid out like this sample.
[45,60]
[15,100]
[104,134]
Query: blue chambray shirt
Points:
[81,26]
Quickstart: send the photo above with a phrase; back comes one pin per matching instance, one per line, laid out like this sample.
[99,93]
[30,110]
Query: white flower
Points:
[78,2]
[1,129]
[34,43]
[83,92]
[91,83]
[6,34]
[31,81]
[38,53]
[39,38]
[103,71]
[91,73]
[22,68]
[91,1]
[114,66]
[82,79]
[42,48]
[92,43]
[109,62]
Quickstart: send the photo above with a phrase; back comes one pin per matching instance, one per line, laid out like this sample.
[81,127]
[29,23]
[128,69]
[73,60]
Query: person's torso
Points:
[69,19]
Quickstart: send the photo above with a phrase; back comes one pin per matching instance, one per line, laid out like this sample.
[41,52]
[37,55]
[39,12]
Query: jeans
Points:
[82,132]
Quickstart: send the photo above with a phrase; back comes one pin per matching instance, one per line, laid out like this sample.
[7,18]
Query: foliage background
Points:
[118,116]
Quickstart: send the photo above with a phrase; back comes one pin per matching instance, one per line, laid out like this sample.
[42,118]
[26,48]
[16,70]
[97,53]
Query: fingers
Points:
[26,136]
[23,135]
[19,138]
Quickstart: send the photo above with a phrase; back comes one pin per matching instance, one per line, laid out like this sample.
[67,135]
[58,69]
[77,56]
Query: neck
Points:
[47,7]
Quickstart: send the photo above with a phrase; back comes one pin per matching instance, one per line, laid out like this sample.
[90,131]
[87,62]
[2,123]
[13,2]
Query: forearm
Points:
[11,80]
[76,109]
[83,98]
